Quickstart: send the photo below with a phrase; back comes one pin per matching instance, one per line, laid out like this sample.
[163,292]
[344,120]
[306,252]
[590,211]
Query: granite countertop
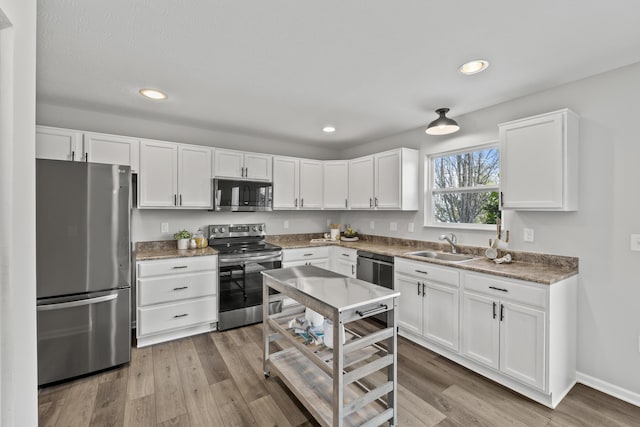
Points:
[532,267]
[146,251]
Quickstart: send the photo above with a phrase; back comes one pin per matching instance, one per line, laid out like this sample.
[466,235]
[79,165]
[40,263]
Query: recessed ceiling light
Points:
[473,67]
[328,129]
[153,94]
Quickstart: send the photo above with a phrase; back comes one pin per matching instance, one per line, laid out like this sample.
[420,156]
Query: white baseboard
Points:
[608,388]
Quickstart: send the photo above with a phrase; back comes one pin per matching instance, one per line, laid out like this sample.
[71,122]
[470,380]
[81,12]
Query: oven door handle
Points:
[251,259]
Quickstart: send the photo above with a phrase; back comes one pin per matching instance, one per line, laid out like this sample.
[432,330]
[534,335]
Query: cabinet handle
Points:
[296,203]
[501,198]
[501,312]
[376,199]
[180,315]
[418,288]
[86,157]
[180,288]
[498,289]
[380,309]
[302,203]
[181,200]
[175,200]
[370,202]
[346,203]
[73,155]
[179,266]
[423,272]
[353,269]
[494,309]
[423,292]
[307,254]
[345,254]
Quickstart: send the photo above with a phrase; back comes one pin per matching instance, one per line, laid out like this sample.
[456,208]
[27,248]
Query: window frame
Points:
[429,217]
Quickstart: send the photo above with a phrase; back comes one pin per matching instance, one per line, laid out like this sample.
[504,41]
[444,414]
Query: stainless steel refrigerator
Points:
[83,267]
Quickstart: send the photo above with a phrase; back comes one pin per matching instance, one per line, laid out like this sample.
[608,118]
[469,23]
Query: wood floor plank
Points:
[212,363]
[233,409]
[80,401]
[140,373]
[110,401]
[251,386]
[267,413]
[201,407]
[179,421]
[413,411]
[140,412]
[170,402]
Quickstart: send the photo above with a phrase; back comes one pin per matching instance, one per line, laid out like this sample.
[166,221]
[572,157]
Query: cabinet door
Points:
[258,166]
[480,329]
[522,343]
[194,177]
[321,263]
[387,180]
[310,184]
[531,163]
[345,267]
[361,183]
[157,181]
[58,144]
[228,164]
[336,184]
[409,304]
[286,172]
[441,315]
[111,149]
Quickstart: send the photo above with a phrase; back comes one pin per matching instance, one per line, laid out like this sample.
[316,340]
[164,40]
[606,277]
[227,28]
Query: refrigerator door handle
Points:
[77,303]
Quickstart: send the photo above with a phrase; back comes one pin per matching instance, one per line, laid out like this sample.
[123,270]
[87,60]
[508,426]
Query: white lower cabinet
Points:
[428,301]
[318,256]
[344,260]
[175,298]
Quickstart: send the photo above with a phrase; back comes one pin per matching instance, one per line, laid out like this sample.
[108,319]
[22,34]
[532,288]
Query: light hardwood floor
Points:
[216,379]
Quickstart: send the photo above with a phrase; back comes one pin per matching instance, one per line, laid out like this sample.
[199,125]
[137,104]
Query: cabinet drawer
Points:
[166,317]
[499,288]
[176,265]
[155,290]
[305,253]
[346,254]
[427,271]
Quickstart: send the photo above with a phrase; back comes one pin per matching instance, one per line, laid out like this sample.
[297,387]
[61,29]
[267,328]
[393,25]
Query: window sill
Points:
[453,226]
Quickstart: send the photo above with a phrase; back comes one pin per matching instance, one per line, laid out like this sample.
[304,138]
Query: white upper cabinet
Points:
[112,149]
[387,180]
[539,162]
[310,184]
[361,179]
[58,144]
[297,183]
[286,181]
[174,176]
[238,164]
[336,184]
[194,176]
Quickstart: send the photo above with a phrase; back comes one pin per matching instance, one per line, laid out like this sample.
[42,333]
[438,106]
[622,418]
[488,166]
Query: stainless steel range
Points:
[243,254]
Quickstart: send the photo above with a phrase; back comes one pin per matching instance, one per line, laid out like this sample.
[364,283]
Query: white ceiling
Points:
[285,68]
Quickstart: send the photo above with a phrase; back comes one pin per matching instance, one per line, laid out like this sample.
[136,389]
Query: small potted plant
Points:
[182,237]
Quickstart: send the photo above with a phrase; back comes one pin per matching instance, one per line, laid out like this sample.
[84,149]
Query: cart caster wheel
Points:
[267,375]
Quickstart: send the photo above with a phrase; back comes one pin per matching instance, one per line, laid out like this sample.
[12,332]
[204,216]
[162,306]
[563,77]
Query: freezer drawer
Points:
[83,335]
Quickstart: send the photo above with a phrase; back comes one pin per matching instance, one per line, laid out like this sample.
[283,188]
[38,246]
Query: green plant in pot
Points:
[182,237]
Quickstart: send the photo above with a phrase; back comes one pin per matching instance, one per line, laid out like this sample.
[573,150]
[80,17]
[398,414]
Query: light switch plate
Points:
[164,227]
[635,242]
[528,235]
[286,223]
[411,227]
[393,226]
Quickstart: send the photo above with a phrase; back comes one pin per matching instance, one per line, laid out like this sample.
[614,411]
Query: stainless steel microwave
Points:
[242,196]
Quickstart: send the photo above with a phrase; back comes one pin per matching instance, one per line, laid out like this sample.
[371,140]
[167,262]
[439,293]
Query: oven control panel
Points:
[236,230]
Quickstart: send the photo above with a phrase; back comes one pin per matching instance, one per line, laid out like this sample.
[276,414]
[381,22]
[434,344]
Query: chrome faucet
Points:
[452,241]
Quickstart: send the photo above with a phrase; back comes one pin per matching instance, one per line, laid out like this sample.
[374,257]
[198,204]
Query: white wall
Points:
[609,290]
[89,120]
[145,224]
[18,366]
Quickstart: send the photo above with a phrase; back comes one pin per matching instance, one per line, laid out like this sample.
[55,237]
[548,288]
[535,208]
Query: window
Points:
[463,187]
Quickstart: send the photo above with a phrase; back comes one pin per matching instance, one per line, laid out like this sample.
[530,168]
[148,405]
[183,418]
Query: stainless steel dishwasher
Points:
[376,269]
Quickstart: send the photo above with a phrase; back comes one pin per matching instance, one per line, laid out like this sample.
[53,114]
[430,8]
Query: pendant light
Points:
[442,125]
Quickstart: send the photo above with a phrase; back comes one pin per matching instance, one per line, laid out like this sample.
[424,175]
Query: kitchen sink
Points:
[442,256]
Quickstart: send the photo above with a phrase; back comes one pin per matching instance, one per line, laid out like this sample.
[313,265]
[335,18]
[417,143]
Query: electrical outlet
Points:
[393,226]
[164,227]
[635,242]
[528,235]
[411,227]
[286,223]
[372,225]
